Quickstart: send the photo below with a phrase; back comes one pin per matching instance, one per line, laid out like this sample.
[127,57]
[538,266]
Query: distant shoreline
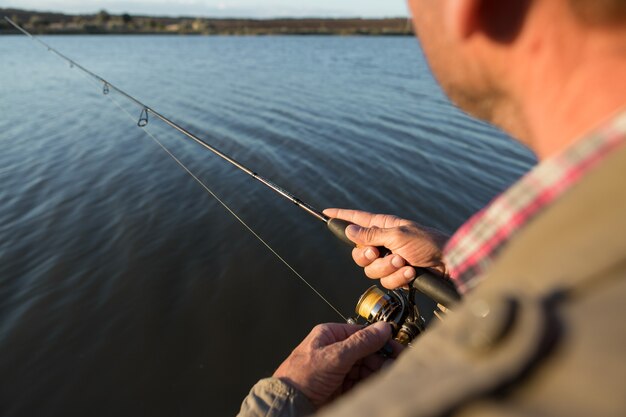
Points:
[103,23]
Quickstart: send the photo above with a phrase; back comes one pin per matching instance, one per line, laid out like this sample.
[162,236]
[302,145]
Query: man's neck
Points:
[571,80]
[565,112]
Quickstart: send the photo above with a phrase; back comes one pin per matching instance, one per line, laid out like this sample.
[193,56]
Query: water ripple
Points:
[122,279]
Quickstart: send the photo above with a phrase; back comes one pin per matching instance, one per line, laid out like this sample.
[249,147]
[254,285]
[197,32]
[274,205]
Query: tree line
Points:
[104,22]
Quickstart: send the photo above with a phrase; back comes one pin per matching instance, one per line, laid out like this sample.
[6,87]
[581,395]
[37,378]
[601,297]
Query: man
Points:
[543,333]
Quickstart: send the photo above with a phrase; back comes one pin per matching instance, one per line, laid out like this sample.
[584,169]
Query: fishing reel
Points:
[395,307]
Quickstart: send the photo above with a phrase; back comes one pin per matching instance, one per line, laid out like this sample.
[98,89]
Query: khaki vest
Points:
[543,335]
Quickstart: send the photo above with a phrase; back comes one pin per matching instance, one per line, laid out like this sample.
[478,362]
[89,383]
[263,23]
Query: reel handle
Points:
[439,288]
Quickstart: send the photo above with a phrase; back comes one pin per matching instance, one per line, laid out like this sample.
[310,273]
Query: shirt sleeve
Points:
[272,397]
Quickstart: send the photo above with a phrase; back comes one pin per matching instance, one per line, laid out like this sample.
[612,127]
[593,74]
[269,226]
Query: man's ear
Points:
[499,20]
[462,17]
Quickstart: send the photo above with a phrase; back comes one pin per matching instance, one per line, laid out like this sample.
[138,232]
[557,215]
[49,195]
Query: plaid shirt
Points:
[479,241]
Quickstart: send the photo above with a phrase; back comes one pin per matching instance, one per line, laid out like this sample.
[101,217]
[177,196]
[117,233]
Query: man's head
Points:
[494,57]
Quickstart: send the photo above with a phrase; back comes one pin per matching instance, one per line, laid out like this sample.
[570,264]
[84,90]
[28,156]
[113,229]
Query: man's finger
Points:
[400,278]
[383,267]
[360,345]
[364,256]
[365,219]
[362,218]
[369,236]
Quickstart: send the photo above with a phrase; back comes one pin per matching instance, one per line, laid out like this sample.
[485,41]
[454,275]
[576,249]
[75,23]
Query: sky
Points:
[222,8]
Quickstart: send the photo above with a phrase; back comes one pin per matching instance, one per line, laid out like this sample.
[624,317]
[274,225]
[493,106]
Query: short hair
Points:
[600,11]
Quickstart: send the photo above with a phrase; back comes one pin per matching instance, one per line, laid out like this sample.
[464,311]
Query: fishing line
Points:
[143,122]
[219,200]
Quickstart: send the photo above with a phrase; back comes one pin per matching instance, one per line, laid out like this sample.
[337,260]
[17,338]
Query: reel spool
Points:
[395,307]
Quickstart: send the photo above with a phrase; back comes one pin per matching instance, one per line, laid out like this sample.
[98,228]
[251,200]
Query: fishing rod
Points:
[144,118]
[440,290]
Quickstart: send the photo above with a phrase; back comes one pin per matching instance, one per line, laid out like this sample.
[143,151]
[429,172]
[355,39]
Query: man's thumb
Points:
[364,343]
[367,236]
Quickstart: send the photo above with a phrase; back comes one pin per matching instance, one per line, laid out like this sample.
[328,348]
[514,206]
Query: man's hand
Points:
[409,243]
[333,358]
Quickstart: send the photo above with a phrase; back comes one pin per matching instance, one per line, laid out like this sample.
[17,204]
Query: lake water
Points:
[124,288]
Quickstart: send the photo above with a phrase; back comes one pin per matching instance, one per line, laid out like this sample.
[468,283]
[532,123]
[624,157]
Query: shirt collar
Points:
[479,241]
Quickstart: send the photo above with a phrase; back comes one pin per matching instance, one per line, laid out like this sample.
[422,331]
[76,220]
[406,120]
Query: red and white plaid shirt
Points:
[479,241]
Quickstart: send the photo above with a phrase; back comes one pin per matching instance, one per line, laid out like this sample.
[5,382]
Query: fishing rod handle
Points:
[338,227]
[435,286]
